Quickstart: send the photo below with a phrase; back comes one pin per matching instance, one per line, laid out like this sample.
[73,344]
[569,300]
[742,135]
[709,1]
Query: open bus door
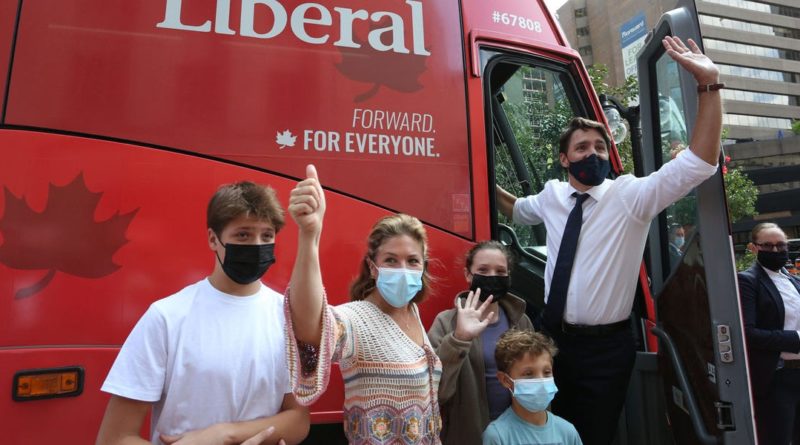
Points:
[701,354]
[695,389]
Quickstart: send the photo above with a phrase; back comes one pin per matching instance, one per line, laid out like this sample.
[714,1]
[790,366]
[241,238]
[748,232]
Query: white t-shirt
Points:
[205,357]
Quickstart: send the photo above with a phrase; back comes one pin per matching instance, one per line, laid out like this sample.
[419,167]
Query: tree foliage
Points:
[745,260]
[742,194]
[537,125]
[624,94]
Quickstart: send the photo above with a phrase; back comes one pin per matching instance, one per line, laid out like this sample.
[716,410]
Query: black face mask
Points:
[246,263]
[773,260]
[591,170]
[496,285]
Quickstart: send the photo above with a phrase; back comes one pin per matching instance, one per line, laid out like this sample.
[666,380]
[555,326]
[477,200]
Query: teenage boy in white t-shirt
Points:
[210,360]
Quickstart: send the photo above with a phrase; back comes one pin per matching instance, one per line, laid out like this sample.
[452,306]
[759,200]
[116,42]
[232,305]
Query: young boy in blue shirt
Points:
[525,366]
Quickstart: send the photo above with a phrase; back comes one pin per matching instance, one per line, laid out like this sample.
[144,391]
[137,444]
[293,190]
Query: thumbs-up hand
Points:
[307,203]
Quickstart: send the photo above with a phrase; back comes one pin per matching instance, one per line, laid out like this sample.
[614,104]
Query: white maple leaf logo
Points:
[285,139]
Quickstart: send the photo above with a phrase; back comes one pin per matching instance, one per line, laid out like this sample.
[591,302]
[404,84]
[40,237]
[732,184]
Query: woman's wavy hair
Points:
[386,228]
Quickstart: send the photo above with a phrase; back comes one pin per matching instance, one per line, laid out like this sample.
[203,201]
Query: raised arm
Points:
[707,129]
[307,207]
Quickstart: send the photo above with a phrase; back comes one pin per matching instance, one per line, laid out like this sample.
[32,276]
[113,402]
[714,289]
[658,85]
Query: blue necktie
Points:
[557,299]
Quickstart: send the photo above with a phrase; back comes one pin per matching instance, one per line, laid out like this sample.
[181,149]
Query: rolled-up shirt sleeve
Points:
[646,197]
[528,209]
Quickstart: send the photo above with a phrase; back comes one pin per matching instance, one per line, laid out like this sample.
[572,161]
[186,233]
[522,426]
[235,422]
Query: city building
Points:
[757,47]
[756,44]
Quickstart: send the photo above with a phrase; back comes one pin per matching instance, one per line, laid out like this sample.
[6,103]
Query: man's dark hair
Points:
[581,123]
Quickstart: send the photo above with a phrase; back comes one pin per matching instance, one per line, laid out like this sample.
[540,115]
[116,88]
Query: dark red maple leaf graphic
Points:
[399,72]
[63,237]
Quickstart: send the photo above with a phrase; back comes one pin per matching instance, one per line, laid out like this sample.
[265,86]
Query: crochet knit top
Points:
[390,382]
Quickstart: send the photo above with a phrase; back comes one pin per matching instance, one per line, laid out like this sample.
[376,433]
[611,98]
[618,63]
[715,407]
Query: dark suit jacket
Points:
[763,313]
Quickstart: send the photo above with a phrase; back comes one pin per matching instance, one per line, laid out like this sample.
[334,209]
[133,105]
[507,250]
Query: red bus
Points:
[119,119]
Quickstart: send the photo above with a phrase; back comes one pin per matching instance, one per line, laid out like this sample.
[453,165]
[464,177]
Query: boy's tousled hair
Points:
[243,198]
[515,343]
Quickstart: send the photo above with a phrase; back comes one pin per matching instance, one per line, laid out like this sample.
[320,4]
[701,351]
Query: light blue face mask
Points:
[534,394]
[398,286]
[679,240]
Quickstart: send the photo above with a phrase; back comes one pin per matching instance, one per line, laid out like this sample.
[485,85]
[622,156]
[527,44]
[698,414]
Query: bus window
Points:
[678,222]
[530,105]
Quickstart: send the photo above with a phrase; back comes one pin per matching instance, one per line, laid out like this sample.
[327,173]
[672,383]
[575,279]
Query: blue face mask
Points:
[590,171]
[678,241]
[398,286]
[534,394]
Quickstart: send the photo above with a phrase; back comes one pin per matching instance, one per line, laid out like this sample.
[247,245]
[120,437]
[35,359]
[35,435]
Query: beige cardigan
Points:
[462,389]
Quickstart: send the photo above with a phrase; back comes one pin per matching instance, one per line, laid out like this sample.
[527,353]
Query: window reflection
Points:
[758,6]
[758,73]
[752,50]
[762,98]
[670,108]
[678,222]
[756,121]
[748,26]
[537,107]
[744,4]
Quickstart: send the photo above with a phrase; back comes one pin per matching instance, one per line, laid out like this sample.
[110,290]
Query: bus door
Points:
[701,355]
[524,83]
[528,101]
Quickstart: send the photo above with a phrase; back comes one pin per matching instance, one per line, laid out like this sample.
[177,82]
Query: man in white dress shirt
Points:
[594,335]
[771,310]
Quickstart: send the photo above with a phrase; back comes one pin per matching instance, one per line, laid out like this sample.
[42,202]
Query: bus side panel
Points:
[378,101]
[519,27]
[93,231]
[133,219]
[73,420]
[517,20]
[8,17]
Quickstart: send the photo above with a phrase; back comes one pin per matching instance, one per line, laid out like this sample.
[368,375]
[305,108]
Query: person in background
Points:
[525,368]
[391,373]
[770,300]
[209,361]
[470,393]
[676,241]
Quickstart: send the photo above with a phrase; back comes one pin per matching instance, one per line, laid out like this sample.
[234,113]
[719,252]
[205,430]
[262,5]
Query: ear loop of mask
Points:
[218,240]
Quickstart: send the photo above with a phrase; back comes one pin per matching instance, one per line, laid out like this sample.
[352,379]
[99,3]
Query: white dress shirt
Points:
[791,306]
[615,223]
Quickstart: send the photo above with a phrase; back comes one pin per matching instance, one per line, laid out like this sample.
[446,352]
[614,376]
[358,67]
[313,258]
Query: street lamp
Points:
[615,112]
